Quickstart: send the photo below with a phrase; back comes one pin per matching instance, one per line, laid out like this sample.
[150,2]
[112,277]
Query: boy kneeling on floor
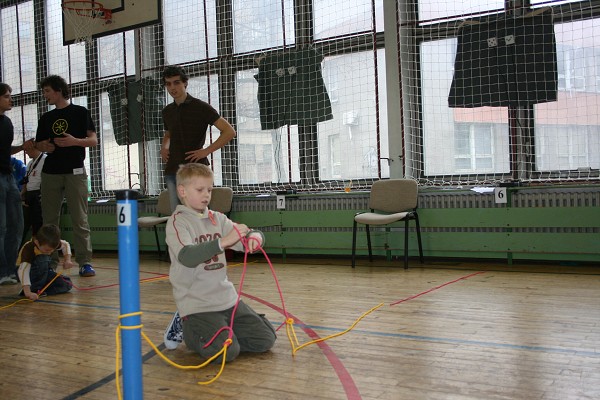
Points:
[35,261]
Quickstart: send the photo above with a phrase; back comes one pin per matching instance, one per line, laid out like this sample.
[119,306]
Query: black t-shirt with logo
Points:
[74,120]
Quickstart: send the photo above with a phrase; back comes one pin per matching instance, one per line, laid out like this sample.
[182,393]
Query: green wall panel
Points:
[584,217]
[329,218]
[565,233]
[257,219]
[463,217]
[567,243]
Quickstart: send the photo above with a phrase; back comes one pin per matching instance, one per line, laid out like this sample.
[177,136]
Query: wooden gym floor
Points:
[446,330]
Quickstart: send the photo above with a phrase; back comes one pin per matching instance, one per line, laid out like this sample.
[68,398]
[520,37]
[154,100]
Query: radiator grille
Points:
[439,199]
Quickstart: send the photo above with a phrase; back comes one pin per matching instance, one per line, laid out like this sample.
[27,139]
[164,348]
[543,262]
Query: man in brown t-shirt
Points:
[186,122]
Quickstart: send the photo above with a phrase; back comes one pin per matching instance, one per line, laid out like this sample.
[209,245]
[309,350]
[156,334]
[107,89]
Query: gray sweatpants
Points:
[251,332]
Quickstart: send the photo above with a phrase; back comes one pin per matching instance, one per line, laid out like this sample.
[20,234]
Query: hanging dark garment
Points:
[291,90]
[126,110]
[508,62]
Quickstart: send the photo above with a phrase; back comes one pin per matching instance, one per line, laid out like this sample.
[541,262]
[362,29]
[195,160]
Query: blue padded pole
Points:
[129,293]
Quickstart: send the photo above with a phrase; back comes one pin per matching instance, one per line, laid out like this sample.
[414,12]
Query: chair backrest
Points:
[163,207]
[221,200]
[394,195]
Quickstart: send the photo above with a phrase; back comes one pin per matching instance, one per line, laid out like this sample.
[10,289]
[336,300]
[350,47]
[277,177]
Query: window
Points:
[18,47]
[543,3]
[207,89]
[566,131]
[82,101]
[331,20]
[473,148]
[25,121]
[259,24]
[567,148]
[190,35]
[112,59]
[119,163]
[354,120]
[440,11]
[335,163]
[460,140]
[66,61]
[265,156]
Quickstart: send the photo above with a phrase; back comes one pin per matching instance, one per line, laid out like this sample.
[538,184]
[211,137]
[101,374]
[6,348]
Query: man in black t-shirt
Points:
[64,133]
[186,122]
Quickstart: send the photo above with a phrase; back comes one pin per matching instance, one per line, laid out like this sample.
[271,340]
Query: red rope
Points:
[245,240]
[436,288]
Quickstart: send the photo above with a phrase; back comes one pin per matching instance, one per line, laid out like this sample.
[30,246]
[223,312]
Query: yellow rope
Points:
[38,293]
[223,351]
[48,284]
[118,343]
[12,304]
[291,333]
[295,349]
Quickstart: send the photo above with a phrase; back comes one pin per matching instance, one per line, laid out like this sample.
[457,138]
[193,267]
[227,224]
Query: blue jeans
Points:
[11,224]
[171,182]
[41,274]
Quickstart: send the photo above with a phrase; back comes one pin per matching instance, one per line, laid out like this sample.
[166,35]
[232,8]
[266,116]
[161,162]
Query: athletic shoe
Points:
[7,280]
[86,270]
[174,332]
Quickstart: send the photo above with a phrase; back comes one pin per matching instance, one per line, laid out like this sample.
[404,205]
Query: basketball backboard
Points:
[126,15]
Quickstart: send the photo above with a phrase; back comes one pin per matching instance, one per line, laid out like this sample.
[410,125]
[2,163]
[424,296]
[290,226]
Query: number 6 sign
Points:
[123,214]
[500,195]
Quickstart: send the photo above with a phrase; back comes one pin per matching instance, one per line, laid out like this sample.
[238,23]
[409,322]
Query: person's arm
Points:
[67,140]
[28,145]
[190,255]
[66,250]
[181,240]
[16,149]
[23,273]
[226,135]
[256,240]
[44,145]
[29,294]
[164,147]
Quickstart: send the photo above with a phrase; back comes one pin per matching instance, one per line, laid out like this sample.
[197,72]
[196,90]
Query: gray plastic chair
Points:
[163,211]
[391,200]
[221,200]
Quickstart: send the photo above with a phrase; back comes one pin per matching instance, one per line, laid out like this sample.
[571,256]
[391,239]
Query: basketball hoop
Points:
[83,16]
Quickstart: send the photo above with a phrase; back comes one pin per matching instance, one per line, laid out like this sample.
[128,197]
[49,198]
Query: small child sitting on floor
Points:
[35,261]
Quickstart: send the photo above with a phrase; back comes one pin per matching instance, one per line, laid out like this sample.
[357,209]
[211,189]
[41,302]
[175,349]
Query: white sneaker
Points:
[8,280]
[174,332]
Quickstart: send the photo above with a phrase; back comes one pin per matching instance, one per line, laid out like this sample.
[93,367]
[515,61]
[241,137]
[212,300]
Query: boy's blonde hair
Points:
[189,171]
